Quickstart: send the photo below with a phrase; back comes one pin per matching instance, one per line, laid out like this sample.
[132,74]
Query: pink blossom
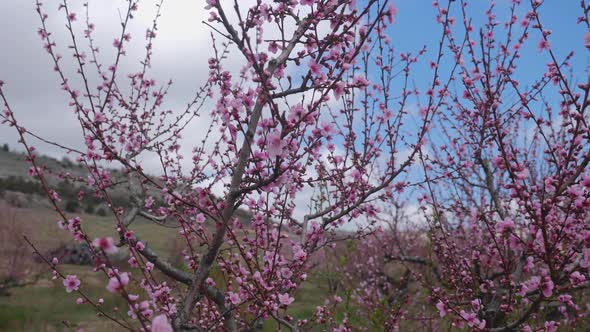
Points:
[211,4]
[360,81]
[273,47]
[442,311]
[544,44]
[160,323]
[200,218]
[587,39]
[285,299]
[128,235]
[547,286]
[275,144]
[585,261]
[106,244]
[577,278]
[551,326]
[234,298]
[530,263]
[529,286]
[299,253]
[54,195]
[391,12]
[327,129]
[296,113]
[565,298]
[62,225]
[471,319]
[132,262]
[315,68]
[72,283]
[286,273]
[117,283]
[522,174]
[33,171]
[139,245]
[149,202]
[99,118]
[505,226]
[476,305]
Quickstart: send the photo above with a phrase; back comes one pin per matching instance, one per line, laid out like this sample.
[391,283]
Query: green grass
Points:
[45,306]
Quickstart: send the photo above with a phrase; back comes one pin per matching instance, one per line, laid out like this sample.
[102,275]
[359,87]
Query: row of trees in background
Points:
[470,192]
[74,198]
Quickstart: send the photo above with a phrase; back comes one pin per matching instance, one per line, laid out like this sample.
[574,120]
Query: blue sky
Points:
[415,27]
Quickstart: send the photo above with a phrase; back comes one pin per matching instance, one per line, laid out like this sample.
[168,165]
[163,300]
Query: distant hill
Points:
[14,178]
[15,164]
[22,190]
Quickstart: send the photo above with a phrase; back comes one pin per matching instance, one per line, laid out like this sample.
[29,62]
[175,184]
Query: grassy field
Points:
[45,306]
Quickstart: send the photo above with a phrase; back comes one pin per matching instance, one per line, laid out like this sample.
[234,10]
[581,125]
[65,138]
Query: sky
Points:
[183,46]
[33,88]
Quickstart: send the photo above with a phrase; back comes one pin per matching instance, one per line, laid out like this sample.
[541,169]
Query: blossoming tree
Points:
[300,112]
[506,189]
[323,107]
[512,237]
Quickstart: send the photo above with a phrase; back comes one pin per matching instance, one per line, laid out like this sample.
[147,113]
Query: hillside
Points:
[21,190]
[29,213]
[15,164]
